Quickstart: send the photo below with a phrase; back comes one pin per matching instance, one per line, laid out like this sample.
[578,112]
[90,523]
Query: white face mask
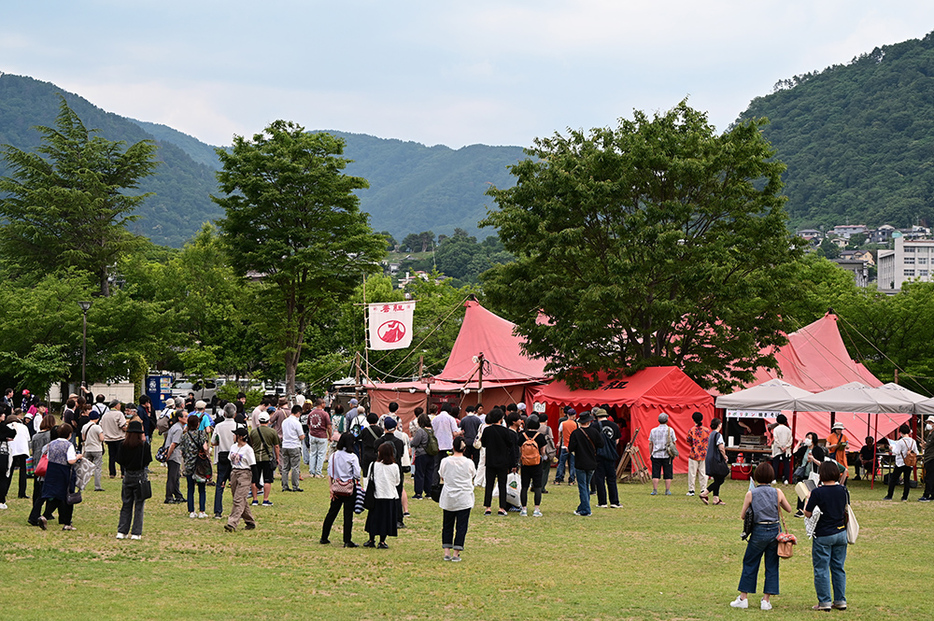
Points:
[929,426]
[807,442]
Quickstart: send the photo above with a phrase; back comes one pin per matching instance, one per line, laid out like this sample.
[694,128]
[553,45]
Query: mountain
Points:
[858,139]
[413,187]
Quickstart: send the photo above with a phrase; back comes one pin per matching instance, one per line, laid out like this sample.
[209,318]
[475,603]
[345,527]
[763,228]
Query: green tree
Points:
[67,205]
[856,241]
[293,220]
[659,242]
[828,249]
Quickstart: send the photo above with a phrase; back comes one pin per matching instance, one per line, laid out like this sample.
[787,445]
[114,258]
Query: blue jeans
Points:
[583,490]
[562,457]
[828,554]
[761,542]
[191,494]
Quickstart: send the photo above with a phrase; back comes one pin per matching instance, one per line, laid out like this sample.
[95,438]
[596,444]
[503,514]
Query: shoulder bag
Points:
[852,526]
[145,486]
[369,498]
[342,488]
[786,541]
[671,447]
[43,466]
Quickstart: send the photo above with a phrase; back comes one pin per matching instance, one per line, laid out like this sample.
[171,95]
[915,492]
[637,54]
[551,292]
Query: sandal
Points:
[704,499]
[68,527]
[719,502]
[503,513]
[487,512]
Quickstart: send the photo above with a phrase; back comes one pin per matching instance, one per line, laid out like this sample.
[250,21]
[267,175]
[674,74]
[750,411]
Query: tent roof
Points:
[856,397]
[487,333]
[772,395]
[658,386]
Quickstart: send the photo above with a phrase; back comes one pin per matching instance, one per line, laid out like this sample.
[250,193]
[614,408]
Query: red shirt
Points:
[697,440]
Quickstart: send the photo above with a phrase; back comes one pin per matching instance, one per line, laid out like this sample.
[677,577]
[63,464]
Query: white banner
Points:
[390,325]
[751,414]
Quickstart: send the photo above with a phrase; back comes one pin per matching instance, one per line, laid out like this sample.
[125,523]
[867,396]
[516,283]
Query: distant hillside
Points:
[858,139]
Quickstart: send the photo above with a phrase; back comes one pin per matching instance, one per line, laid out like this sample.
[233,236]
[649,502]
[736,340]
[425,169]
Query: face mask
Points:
[807,442]
[929,427]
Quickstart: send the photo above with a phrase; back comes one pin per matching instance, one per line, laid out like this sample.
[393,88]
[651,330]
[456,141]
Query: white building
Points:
[912,259]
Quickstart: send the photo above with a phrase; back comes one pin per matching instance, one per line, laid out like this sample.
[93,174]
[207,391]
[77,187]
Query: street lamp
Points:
[85,307]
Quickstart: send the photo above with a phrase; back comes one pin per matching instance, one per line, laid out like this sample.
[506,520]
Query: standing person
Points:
[265,443]
[381,520]
[782,441]
[423,461]
[7,433]
[279,416]
[659,439]
[810,454]
[551,452]
[59,479]
[39,442]
[223,439]
[697,455]
[566,426]
[292,438]
[900,448]
[828,548]
[500,459]
[531,445]
[242,459]
[369,434]
[135,456]
[173,457]
[319,432]
[398,447]
[927,458]
[836,445]
[113,426]
[92,439]
[19,451]
[470,425]
[445,428]
[584,443]
[715,452]
[457,499]
[194,441]
[344,465]
[764,501]
[607,456]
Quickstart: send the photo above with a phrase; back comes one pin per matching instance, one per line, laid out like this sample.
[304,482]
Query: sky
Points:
[455,73]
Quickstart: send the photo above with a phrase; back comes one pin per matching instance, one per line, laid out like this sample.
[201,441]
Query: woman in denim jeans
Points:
[828,548]
[764,501]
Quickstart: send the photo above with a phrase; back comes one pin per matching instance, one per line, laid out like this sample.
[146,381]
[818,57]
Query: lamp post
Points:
[85,307]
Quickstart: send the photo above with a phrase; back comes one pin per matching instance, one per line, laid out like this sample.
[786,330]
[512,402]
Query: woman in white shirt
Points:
[382,519]
[782,441]
[242,459]
[900,448]
[457,499]
[343,465]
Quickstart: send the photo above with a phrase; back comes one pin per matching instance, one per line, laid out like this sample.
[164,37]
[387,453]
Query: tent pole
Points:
[875,453]
[794,423]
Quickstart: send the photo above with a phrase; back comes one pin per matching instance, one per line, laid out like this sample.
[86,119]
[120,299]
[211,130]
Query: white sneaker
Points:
[524,512]
[202,515]
[689,494]
[3,505]
[192,515]
[121,536]
[739,602]
[136,537]
[764,605]
[536,513]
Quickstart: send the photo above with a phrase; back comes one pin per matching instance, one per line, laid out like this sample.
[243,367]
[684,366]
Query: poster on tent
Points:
[390,325]
[751,414]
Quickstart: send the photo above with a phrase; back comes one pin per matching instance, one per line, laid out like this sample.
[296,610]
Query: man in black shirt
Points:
[584,443]
[605,474]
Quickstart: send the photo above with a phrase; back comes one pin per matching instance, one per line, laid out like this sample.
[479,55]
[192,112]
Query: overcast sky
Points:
[454,73]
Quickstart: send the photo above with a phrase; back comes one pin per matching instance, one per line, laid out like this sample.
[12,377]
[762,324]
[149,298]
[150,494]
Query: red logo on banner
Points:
[392,331]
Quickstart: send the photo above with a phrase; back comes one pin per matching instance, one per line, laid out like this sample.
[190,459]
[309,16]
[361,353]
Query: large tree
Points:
[66,205]
[657,243]
[294,222]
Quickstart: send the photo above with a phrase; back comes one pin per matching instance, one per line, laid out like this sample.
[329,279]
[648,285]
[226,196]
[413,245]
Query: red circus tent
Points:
[505,375]
[643,395]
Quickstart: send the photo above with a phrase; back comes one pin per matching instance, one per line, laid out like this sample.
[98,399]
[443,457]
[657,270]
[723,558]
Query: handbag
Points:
[852,526]
[358,501]
[145,487]
[671,447]
[43,466]
[369,498]
[73,498]
[719,467]
[786,541]
[435,491]
[342,488]
[30,466]
[749,522]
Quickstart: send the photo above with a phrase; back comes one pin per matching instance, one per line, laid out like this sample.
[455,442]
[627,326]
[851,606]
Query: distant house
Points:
[912,260]
[857,255]
[848,230]
[857,267]
[882,235]
[840,242]
[810,234]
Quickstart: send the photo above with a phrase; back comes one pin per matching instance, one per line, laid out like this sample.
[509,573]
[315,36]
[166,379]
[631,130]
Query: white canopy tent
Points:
[772,396]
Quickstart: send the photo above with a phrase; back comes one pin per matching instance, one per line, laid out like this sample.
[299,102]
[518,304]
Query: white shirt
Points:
[386,479]
[92,437]
[224,437]
[659,441]
[242,457]
[291,433]
[19,445]
[902,447]
[457,472]
[781,440]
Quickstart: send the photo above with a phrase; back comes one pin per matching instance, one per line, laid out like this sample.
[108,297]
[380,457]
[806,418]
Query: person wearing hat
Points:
[659,439]
[92,439]
[566,426]
[605,474]
[927,458]
[134,457]
[584,444]
[242,459]
[265,443]
[836,444]
[782,442]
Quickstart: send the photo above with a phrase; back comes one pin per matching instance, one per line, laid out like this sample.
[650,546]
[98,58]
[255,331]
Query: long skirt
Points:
[383,518]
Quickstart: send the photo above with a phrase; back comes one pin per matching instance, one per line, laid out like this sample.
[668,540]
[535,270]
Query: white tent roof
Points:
[857,397]
[773,395]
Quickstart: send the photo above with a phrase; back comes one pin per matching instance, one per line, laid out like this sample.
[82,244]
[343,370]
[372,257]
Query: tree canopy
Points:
[293,221]
[658,242]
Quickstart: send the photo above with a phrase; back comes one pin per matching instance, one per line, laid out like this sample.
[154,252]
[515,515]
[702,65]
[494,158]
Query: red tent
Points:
[640,398]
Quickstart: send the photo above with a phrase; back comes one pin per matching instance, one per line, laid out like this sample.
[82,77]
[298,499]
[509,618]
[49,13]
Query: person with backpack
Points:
[194,443]
[905,451]
[566,426]
[607,456]
[584,443]
[319,433]
[265,443]
[531,445]
[550,453]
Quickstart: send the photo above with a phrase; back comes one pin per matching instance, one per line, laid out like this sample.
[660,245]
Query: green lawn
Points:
[656,558]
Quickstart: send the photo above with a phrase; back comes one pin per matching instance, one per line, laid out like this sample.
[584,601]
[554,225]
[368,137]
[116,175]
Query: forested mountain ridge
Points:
[412,187]
[858,139]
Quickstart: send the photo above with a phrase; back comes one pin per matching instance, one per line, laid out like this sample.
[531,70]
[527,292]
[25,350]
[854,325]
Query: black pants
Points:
[714,483]
[893,479]
[499,476]
[782,468]
[929,479]
[531,476]
[424,465]
[436,477]
[605,478]
[37,502]
[4,479]
[472,454]
[347,502]
[113,449]
[172,490]
[454,529]
[20,462]
[65,510]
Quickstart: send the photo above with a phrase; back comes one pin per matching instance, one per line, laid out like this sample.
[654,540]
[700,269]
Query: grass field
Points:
[656,558]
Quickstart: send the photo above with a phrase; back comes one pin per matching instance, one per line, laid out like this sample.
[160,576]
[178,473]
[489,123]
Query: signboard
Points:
[390,325]
[751,414]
